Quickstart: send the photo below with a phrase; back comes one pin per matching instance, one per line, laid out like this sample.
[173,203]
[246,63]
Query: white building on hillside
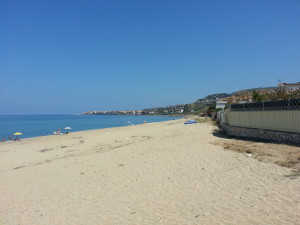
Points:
[290,87]
[220,104]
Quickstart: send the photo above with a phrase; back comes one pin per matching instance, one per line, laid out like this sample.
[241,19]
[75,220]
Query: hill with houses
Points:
[214,101]
[201,105]
[208,103]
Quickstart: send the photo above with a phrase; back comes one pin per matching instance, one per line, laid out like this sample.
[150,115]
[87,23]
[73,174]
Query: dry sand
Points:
[163,173]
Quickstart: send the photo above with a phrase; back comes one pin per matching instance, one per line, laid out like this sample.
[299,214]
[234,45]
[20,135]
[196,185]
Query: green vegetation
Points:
[256,97]
[206,120]
[202,120]
[279,94]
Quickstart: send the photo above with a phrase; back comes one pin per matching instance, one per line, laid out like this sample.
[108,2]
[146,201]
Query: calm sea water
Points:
[41,125]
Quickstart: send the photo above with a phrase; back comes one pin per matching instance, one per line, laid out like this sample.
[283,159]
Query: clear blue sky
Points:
[73,56]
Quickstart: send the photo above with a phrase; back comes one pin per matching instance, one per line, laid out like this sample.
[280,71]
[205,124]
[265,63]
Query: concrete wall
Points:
[221,116]
[287,121]
[278,136]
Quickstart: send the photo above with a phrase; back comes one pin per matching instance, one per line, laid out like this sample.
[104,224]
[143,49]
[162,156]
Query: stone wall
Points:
[278,136]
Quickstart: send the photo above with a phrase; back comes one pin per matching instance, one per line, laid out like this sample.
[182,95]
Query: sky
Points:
[67,57]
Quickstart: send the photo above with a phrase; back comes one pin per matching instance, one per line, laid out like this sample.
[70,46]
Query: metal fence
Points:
[291,104]
[282,115]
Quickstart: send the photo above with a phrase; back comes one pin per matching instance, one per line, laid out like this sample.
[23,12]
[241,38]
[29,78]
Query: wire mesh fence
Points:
[290,104]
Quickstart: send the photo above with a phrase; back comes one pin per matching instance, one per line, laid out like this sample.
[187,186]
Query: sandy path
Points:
[162,173]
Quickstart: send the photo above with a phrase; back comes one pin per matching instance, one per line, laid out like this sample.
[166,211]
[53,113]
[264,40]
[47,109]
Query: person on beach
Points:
[3,139]
[10,137]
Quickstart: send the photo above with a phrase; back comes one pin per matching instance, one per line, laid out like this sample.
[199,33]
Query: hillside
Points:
[253,89]
[201,105]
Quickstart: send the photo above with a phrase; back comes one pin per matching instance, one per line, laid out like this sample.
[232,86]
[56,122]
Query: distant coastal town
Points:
[124,112]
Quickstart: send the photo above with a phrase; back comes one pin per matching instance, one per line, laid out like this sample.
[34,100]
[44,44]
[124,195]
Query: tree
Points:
[256,97]
[186,108]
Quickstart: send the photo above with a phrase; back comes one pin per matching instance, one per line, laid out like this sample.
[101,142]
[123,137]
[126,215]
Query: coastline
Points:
[153,173]
[75,132]
[44,125]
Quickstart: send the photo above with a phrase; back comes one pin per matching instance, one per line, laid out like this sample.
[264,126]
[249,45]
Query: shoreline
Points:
[74,132]
[154,173]
[32,134]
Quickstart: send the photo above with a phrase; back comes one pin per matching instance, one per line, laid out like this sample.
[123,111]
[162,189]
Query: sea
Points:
[42,125]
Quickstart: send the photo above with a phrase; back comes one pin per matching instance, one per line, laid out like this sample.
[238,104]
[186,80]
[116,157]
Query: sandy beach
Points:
[157,173]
